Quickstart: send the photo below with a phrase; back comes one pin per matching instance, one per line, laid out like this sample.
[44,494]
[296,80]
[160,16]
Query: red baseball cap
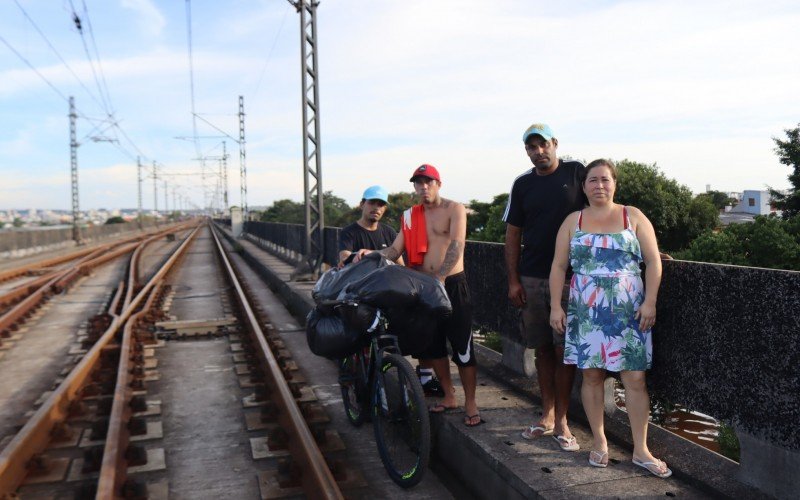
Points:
[426,170]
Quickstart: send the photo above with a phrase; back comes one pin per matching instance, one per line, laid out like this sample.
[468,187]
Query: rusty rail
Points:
[10,274]
[59,281]
[55,261]
[113,472]
[33,438]
[317,479]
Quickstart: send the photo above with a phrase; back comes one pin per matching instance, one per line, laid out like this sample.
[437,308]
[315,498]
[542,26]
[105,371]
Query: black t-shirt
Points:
[539,204]
[354,237]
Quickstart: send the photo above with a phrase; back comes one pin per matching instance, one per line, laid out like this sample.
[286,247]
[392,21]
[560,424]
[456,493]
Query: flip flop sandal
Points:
[440,408]
[567,443]
[536,431]
[468,420]
[654,468]
[598,458]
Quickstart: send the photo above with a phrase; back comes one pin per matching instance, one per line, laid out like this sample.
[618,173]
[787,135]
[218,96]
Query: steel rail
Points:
[55,285]
[113,471]
[34,436]
[20,292]
[60,280]
[42,264]
[55,261]
[317,480]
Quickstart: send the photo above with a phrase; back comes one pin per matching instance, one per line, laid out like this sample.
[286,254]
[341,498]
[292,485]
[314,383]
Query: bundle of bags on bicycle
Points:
[349,300]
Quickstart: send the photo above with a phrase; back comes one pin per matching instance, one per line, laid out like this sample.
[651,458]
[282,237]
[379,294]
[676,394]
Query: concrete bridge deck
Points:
[493,460]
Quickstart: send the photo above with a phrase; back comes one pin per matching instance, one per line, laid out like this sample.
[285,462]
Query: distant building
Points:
[755,203]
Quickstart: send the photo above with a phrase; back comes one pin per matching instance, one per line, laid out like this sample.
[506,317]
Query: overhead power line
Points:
[57,53]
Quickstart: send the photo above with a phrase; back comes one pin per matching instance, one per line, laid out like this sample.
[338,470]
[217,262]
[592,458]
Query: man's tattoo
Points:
[390,253]
[451,256]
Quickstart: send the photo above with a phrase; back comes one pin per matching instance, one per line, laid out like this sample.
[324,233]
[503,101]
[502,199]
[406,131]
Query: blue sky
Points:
[699,88]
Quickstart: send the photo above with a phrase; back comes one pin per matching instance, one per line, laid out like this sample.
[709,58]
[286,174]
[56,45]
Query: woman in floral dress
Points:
[610,313]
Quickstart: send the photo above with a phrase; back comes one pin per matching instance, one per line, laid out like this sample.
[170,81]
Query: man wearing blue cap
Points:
[367,232]
[540,200]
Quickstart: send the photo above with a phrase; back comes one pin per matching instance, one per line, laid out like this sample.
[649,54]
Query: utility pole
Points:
[242,164]
[312,164]
[139,177]
[225,177]
[73,155]
[155,192]
[166,199]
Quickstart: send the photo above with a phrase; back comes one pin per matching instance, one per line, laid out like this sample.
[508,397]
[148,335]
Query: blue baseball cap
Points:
[538,129]
[376,193]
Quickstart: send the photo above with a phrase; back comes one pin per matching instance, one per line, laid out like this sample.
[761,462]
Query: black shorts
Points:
[457,328]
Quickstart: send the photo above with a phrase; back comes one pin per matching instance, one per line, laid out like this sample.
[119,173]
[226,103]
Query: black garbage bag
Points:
[331,283]
[414,327]
[328,336]
[399,287]
[359,317]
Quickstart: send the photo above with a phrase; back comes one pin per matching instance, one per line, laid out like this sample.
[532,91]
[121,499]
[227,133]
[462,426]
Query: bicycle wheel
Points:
[400,419]
[352,381]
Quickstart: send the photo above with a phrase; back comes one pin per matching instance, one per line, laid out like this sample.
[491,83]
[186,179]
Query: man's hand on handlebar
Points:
[359,254]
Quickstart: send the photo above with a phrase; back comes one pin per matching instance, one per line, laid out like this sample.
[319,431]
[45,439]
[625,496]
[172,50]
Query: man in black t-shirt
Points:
[540,200]
[367,232]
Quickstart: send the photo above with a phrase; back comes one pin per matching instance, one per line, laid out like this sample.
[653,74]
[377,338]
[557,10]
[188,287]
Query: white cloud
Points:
[699,88]
[151,20]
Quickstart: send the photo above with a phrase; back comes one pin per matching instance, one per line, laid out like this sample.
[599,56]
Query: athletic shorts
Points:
[457,328]
[535,318]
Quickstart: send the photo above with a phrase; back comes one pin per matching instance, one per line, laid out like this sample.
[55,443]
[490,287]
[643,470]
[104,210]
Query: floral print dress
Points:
[605,291]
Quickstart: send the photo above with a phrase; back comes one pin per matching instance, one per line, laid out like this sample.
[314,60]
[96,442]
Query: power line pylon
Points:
[242,156]
[225,177]
[312,163]
[73,155]
[139,177]
[155,192]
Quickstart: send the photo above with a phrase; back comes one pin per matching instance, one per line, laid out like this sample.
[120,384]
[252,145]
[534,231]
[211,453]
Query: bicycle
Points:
[388,392]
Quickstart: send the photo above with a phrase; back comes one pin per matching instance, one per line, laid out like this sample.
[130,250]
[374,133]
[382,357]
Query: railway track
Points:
[89,437]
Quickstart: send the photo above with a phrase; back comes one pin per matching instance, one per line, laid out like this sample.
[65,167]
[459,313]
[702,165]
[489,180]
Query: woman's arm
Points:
[558,273]
[652,261]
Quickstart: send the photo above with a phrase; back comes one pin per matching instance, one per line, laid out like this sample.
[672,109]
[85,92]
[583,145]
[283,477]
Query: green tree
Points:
[115,220]
[18,222]
[718,199]
[788,152]
[337,212]
[766,242]
[485,220]
[398,202]
[286,211]
[666,203]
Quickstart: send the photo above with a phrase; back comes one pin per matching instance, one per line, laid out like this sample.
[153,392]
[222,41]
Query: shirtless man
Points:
[446,231]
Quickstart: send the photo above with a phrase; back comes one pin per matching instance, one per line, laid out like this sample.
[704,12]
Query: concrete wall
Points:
[20,242]
[727,343]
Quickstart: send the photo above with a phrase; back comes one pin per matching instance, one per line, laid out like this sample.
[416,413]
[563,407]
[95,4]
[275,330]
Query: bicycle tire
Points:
[352,381]
[401,422]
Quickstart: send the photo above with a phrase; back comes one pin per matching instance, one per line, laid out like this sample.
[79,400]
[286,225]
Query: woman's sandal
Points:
[598,458]
[567,443]
[536,431]
[657,468]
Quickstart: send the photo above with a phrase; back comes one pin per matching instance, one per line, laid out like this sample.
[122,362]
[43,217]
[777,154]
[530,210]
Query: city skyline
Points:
[700,89]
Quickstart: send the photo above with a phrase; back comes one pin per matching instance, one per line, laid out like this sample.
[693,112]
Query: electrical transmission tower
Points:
[312,164]
[139,177]
[242,164]
[155,192]
[224,177]
[73,155]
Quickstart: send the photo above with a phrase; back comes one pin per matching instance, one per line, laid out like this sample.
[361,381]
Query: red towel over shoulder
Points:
[415,234]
